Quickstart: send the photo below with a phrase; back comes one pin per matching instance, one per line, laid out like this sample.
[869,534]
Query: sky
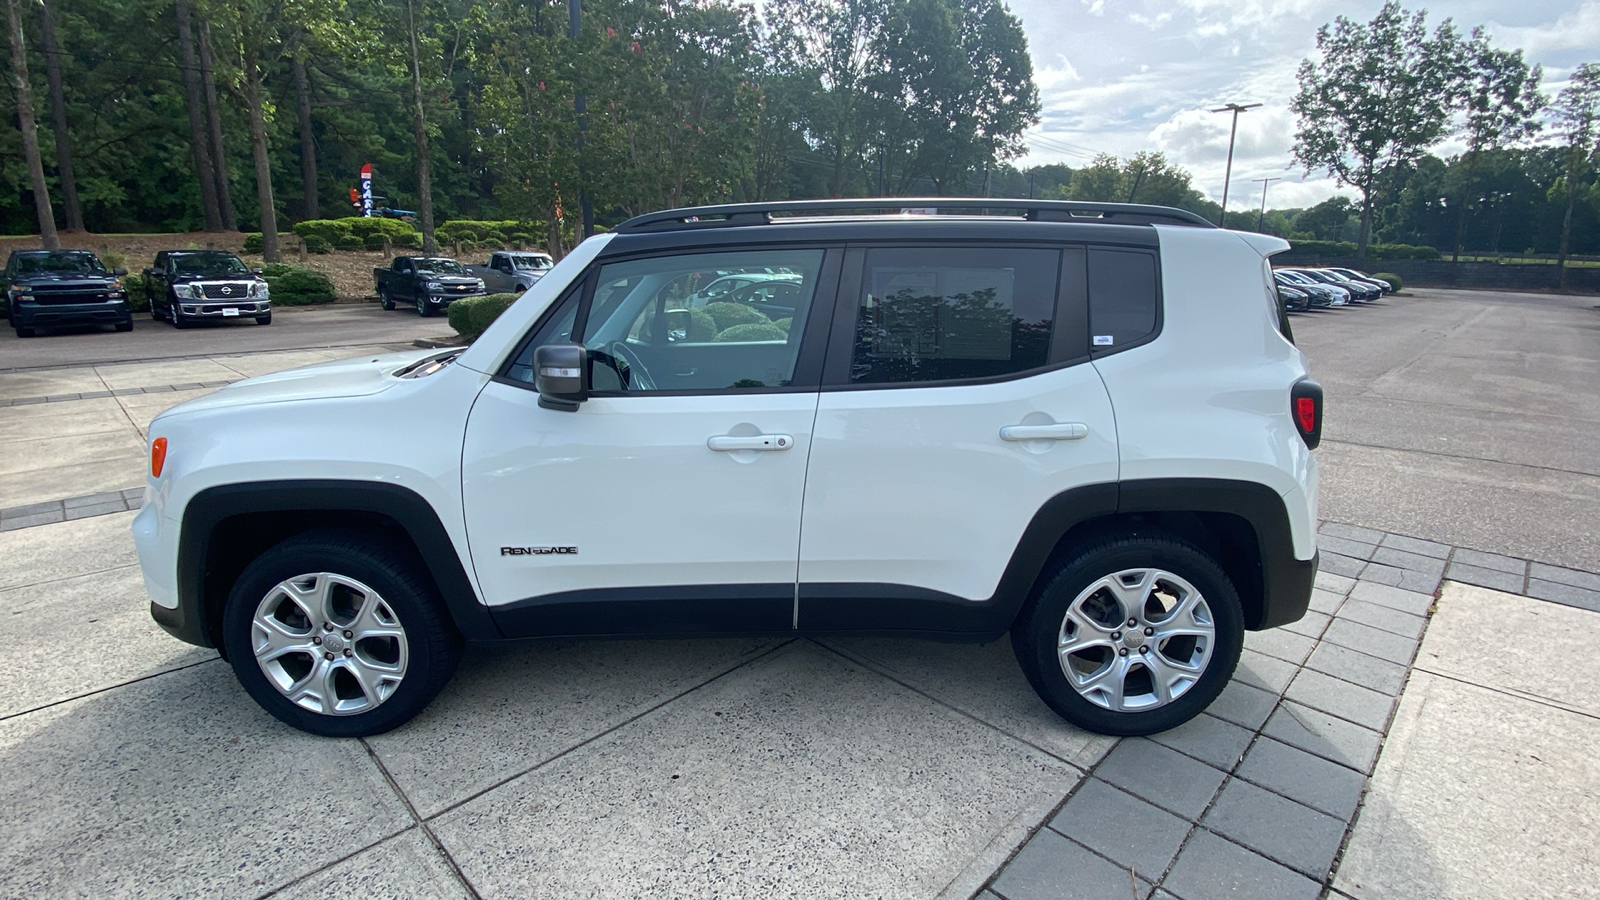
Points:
[1121,76]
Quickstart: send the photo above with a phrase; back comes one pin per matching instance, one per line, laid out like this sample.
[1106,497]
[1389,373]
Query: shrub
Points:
[359,227]
[485,310]
[114,260]
[523,239]
[373,241]
[412,241]
[1402,251]
[785,323]
[1322,248]
[701,326]
[298,285]
[365,227]
[317,244]
[753,331]
[728,315]
[480,232]
[138,292]
[459,315]
[1394,280]
[349,242]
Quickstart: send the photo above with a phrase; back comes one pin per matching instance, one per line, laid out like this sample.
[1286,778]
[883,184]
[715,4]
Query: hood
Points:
[450,277]
[361,376]
[64,279]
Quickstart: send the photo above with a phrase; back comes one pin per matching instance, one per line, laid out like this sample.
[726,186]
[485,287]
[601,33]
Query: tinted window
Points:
[1122,297]
[941,314]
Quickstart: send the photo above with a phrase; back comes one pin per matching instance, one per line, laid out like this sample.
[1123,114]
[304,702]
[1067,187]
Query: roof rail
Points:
[739,214]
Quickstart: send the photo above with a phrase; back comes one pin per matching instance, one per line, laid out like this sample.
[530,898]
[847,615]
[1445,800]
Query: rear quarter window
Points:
[1124,298]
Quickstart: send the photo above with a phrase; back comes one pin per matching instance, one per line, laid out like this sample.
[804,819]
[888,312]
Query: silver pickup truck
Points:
[513,271]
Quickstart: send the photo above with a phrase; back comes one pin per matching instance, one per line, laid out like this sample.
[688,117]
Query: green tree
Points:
[1380,95]
[1501,102]
[1577,110]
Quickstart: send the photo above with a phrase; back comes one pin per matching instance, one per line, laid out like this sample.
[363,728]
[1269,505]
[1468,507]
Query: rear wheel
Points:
[1133,634]
[340,635]
[23,331]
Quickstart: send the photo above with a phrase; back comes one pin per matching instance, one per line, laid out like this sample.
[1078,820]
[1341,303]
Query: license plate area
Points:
[230,311]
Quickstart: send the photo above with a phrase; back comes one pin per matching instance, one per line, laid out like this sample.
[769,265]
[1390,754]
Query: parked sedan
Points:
[1355,275]
[1359,293]
[1322,295]
[1293,299]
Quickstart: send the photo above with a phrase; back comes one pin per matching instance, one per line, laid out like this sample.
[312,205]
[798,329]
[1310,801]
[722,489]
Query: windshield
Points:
[74,263]
[532,262]
[208,264]
[440,266]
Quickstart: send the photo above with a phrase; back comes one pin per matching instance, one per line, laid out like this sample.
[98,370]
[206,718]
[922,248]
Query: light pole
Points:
[1227,176]
[1262,217]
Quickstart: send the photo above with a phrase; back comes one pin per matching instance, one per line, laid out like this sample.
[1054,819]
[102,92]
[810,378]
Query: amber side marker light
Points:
[158,456]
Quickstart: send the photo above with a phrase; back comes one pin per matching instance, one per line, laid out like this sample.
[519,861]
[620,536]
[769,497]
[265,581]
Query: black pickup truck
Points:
[50,288]
[430,283]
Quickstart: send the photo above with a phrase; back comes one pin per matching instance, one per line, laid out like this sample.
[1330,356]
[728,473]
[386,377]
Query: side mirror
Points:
[119,271]
[560,372]
[255,271]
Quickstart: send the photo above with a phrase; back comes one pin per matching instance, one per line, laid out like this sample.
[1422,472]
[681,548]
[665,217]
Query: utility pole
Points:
[1227,176]
[1262,217]
[581,107]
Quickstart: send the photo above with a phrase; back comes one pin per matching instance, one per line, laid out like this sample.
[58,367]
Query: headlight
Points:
[21,288]
[260,289]
[480,284]
[196,292]
[435,286]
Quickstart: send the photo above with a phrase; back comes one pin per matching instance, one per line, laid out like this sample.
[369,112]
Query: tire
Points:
[264,320]
[423,309]
[348,577]
[124,326]
[384,300]
[23,331]
[1097,697]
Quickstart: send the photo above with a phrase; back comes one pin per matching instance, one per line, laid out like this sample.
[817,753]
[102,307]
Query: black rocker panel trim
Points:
[677,610]
[191,621]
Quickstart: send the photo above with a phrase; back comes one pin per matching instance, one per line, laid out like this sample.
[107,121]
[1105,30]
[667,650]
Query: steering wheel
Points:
[635,377]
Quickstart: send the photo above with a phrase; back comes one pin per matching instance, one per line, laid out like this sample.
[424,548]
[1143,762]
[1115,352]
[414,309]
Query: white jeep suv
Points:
[1085,425]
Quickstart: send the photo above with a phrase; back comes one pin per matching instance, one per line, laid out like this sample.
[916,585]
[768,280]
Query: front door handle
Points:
[1064,431]
[728,442]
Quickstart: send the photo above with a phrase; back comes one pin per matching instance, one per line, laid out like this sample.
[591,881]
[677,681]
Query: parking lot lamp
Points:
[1227,174]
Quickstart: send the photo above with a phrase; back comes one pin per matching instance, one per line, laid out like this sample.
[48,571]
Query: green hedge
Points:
[753,331]
[138,293]
[316,243]
[252,242]
[412,241]
[484,233]
[1347,250]
[1394,280]
[728,315]
[473,316]
[298,285]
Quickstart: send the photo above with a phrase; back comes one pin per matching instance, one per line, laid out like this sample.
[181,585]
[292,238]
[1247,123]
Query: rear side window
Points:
[943,314]
[1123,298]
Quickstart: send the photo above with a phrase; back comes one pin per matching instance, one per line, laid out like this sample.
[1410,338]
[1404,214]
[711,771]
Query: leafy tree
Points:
[29,128]
[1577,110]
[1501,102]
[1328,220]
[1380,95]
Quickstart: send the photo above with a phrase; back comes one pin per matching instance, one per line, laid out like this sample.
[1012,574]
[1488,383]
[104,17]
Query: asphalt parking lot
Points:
[1454,454]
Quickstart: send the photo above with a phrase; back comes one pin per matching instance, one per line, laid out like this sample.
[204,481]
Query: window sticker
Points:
[1102,340]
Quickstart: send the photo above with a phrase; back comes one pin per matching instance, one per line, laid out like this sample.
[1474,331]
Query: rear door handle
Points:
[1064,431]
[728,442]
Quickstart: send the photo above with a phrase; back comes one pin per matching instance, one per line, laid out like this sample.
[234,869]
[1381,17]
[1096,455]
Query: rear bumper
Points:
[64,314]
[1288,589]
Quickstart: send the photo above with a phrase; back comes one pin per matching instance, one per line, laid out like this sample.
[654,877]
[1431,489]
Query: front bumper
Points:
[444,300]
[215,309]
[29,315]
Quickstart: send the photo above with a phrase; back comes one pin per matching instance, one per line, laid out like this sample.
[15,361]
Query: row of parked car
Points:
[66,288]
[1301,289]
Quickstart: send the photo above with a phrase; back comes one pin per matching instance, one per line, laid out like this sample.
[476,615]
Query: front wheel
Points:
[1133,634]
[264,320]
[339,634]
[384,300]
[124,326]
[424,308]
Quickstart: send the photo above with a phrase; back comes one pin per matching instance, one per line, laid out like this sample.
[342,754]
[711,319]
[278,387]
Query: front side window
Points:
[939,314]
[649,326]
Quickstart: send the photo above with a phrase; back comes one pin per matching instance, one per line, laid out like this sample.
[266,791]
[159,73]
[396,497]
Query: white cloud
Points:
[1577,29]
[1143,79]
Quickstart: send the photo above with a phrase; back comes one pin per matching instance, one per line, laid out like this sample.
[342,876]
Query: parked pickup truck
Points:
[45,288]
[190,286]
[430,283]
[513,271]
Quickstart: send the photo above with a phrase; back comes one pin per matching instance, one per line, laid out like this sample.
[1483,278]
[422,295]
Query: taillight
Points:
[158,456]
[1305,404]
